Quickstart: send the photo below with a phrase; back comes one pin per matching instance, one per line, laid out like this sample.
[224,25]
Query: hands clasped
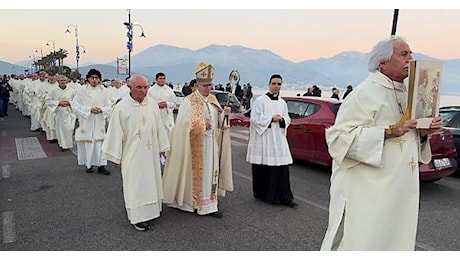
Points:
[96,110]
[277,118]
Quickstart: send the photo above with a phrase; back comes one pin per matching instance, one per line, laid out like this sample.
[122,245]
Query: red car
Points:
[310,116]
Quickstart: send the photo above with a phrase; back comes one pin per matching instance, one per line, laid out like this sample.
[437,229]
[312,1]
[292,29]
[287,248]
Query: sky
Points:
[292,31]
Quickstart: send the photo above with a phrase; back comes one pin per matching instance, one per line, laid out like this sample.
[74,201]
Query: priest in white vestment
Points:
[166,99]
[49,114]
[117,92]
[91,105]
[58,101]
[31,92]
[268,149]
[136,139]
[374,193]
[199,164]
[27,93]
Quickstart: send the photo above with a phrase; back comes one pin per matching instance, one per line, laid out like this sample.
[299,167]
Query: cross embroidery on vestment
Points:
[413,165]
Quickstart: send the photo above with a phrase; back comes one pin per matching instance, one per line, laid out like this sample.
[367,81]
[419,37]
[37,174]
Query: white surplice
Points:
[267,142]
[375,181]
[165,93]
[135,138]
[91,130]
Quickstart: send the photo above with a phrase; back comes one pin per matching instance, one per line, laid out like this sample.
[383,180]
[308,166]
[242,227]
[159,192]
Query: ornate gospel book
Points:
[424,91]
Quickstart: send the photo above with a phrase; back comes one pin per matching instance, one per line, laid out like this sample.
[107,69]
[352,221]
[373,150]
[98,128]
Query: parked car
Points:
[311,116]
[179,98]
[451,121]
[241,119]
[222,97]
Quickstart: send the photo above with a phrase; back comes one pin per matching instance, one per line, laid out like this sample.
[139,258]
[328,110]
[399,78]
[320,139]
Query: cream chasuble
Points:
[62,118]
[375,181]
[135,139]
[197,170]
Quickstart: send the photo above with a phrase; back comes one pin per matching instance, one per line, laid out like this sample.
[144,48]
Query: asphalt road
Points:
[52,204]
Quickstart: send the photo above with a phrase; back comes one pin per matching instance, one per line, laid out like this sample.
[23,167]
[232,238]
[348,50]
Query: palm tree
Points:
[61,54]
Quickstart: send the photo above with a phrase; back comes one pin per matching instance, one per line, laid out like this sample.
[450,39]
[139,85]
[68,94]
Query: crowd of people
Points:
[315,91]
[373,146]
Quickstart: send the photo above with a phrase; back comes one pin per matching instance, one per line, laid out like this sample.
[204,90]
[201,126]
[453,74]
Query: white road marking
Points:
[9,234]
[6,173]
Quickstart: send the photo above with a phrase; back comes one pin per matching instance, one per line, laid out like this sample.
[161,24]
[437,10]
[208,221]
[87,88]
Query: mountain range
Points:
[254,66]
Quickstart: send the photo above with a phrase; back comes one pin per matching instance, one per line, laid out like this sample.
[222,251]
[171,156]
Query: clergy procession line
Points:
[374,191]
[122,125]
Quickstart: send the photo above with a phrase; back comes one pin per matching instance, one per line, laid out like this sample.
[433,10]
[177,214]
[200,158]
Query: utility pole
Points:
[395,21]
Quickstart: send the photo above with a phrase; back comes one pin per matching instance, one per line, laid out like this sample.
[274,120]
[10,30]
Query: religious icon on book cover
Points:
[424,90]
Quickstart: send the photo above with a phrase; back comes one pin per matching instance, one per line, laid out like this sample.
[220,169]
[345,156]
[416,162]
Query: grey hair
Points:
[382,52]
[132,79]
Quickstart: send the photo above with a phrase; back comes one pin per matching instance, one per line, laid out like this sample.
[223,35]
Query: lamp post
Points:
[77,46]
[32,64]
[129,45]
[395,21]
[54,54]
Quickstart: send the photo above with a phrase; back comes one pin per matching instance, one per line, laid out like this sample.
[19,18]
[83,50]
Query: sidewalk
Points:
[18,142]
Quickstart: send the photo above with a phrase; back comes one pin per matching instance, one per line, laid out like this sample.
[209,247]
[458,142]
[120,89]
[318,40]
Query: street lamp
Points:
[33,66]
[77,46]
[41,52]
[83,47]
[129,45]
[54,54]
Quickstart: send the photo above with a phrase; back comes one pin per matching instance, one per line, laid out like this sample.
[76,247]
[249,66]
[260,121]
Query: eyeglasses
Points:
[276,83]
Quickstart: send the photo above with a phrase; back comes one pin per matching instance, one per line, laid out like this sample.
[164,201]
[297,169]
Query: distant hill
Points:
[254,66]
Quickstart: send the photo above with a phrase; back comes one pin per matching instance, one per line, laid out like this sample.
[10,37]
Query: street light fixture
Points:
[32,65]
[83,47]
[129,45]
[41,52]
[77,46]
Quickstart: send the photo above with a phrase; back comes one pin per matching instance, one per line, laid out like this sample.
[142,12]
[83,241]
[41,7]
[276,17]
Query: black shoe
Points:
[102,170]
[89,170]
[141,226]
[291,204]
[216,214]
